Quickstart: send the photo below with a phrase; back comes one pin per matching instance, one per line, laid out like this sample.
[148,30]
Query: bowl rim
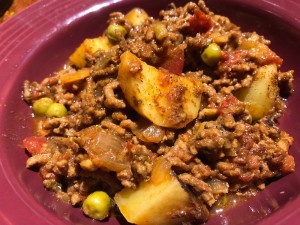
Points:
[286,10]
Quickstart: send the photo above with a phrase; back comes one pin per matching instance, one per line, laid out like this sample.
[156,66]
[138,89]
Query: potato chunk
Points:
[136,16]
[166,99]
[89,46]
[261,95]
[161,200]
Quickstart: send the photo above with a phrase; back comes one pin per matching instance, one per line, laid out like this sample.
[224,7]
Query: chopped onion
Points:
[218,186]
[104,148]
[149,132]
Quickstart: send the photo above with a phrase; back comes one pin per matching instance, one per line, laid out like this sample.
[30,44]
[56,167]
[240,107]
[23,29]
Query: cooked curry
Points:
[162,119]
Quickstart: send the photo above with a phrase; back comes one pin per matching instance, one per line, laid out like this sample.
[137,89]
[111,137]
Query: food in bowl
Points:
[164,120]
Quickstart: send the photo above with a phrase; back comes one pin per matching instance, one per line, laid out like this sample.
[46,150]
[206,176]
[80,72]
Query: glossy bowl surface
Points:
[39,40]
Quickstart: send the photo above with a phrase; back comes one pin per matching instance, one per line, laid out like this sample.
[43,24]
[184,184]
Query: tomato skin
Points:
[34,144]
[227,102]
[200,22]
[174,62]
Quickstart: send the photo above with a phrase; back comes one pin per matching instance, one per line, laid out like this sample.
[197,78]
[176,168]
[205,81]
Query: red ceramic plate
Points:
[39,40]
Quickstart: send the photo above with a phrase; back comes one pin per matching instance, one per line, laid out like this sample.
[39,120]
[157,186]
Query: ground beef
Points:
[221,152]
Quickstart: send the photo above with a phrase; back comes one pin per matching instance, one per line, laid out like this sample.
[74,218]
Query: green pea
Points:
[114,30]
[160,31]
[97,205]
[56,110]
[41,106]
[211,54]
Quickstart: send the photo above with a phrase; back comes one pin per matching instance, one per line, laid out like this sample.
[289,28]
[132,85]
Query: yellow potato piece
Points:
[261,95]
[89,46]
[155,202]
[166,99]
[136,16]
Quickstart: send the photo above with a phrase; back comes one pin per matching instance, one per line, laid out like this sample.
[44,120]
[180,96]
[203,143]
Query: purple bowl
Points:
[39,40]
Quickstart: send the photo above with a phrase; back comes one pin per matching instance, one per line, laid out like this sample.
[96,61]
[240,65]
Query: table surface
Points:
[17,6]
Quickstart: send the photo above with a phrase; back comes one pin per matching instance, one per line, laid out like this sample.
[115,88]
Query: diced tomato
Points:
[267,56]
[247,141]
[174,61]
[228,59]
[199,22]
[264,56]
[226,103]
[34,144]
[233,57]
[288,165]
[246,177]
